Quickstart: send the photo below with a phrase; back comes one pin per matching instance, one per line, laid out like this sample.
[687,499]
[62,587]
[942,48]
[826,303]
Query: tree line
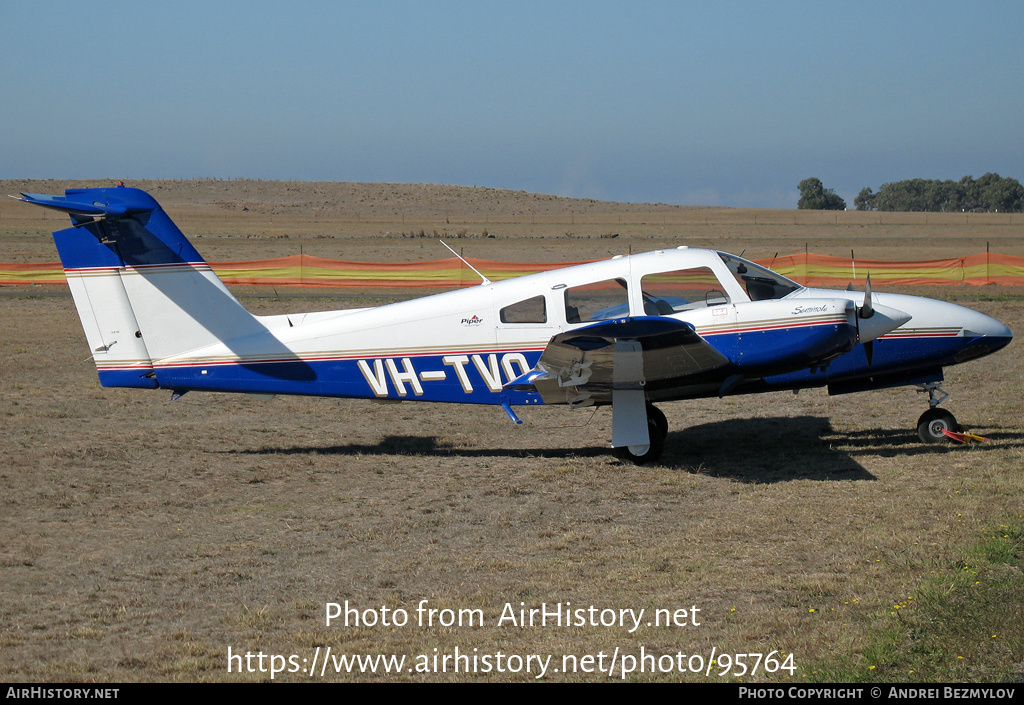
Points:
[991,193]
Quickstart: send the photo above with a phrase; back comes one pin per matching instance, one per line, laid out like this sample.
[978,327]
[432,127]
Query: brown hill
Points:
[247,219]
[336,198]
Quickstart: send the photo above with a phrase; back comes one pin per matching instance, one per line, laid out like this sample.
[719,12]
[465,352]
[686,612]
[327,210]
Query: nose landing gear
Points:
[933,422]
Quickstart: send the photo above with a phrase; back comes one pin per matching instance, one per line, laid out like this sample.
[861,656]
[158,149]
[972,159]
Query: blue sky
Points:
[725,103]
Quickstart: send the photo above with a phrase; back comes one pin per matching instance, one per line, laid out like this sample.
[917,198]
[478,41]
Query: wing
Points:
[584,366]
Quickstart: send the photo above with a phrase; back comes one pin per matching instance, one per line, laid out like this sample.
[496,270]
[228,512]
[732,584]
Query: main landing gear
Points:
[930,427]
[933,422]
[657,429]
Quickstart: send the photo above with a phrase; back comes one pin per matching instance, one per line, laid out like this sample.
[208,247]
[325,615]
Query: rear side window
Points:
[531,310]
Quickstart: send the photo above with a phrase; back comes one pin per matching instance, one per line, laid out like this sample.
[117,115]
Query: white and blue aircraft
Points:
[627,332]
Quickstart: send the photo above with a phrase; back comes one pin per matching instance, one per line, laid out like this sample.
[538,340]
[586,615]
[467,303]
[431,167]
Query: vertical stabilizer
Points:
[142,291]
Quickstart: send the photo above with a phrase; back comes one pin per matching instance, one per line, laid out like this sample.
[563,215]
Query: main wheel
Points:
[660,421]
[932,423]
[641,454]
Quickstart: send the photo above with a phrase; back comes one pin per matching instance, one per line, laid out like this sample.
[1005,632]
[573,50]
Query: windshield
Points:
[759,283]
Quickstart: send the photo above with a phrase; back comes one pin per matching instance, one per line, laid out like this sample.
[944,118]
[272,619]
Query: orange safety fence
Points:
[805,268]
[827,271]
[305,270]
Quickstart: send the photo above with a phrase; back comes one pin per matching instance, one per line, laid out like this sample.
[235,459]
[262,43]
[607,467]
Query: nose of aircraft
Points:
[982,334]
[980,324]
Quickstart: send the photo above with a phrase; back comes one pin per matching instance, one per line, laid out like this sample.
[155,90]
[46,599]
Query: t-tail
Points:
[142,291]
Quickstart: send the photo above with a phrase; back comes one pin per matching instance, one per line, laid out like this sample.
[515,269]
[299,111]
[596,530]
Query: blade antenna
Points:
[462,259]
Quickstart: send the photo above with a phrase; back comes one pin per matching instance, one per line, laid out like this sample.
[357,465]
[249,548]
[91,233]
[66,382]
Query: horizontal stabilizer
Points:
[128,228]
[84,206]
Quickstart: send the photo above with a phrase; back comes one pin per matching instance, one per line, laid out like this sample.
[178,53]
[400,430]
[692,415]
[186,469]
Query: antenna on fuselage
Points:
[463,260]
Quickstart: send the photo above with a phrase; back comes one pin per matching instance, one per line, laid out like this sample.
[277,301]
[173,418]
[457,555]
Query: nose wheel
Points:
[933,422]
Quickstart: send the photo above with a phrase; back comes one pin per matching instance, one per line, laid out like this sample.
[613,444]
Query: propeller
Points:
[865,312]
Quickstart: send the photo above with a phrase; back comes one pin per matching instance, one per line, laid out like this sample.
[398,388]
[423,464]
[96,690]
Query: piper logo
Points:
[475,320]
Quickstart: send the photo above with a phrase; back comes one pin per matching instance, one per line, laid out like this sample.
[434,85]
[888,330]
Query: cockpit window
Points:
[666,293]
[759,283]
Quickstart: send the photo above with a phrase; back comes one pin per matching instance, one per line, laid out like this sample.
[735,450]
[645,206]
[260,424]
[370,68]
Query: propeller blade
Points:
[867,310]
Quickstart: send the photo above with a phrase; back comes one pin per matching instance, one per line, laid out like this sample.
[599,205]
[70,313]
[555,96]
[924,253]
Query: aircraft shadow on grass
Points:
[895,442]
[755,450]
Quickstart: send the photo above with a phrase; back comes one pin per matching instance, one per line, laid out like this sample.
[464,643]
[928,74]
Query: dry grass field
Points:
[141,539]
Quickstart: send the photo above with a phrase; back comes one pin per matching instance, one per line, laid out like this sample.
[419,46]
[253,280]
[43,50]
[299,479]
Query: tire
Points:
[933,422]
[639,455]
[660,421]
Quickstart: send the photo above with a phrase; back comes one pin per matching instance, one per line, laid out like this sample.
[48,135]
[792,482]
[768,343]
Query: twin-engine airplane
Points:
[627,332]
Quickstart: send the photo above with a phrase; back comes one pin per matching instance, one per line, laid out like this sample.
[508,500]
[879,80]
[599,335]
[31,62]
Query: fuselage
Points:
[467,345]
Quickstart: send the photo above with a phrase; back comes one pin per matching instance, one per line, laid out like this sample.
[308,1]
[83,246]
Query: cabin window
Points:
[599,301]
[531,310]
[666,293]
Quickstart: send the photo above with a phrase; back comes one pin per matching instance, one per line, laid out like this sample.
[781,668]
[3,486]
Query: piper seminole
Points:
[627,332]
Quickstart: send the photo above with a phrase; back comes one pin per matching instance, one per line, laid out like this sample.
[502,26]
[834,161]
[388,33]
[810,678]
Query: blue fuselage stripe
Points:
[470,378]
[479,377]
